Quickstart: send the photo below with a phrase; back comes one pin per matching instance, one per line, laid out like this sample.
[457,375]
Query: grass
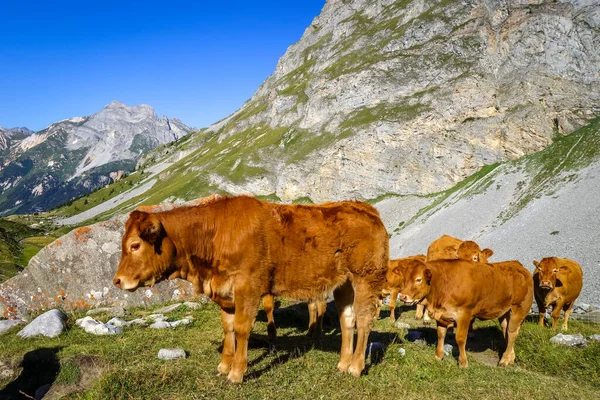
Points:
[302,369]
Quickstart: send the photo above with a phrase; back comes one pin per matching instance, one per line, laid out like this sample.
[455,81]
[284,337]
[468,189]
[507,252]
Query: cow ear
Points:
[451,252]
[536,263]
[150,228]
[398,271]
[487,253]
[564,268]
[427,274]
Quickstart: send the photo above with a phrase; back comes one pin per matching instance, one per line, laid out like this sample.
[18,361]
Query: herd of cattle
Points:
[239,250]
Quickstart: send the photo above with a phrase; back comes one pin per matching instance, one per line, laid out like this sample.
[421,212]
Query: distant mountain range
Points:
[41,170]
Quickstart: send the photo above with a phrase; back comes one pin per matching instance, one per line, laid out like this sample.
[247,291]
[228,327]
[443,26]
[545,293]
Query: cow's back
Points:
[443,248]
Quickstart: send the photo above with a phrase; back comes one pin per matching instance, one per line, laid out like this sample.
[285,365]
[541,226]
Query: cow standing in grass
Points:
[557,282]
[238,249]
[458,291]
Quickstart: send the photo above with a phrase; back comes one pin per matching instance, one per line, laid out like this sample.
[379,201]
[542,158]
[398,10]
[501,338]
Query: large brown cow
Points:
[238,249]
[557,282]
[447,247]
[394,282]
[458,291]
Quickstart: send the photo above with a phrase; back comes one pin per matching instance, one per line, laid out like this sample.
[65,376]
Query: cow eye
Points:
[134,247]
[555,270]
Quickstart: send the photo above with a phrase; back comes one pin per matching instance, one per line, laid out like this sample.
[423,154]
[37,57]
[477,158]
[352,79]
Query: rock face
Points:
[7,136]
[76,271]
[73,157]
[409,97]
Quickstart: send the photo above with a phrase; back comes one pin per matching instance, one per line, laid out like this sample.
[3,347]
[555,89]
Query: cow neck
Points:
[439,282]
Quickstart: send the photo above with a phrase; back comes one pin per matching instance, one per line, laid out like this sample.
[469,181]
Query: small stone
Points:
[118,322]
[447,349]
[156,317]
[50,324]
[138,321]
[112,311]
[6,324]
[184,321]
[160,325]
[170,308]
[401,325]
[569,340]
[192,305]
[595,338]
[402,351]
[90,325]
[171,354]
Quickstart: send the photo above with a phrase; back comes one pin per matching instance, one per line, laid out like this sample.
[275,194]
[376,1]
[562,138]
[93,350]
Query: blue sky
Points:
[194,60]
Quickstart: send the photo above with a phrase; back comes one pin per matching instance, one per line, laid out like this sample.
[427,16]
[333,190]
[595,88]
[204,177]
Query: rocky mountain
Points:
[407,97]
[75,156]
[7,136]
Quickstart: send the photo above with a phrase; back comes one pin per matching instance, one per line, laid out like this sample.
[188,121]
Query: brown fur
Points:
[458,291]
[238,249]
[394,282]
[557,283]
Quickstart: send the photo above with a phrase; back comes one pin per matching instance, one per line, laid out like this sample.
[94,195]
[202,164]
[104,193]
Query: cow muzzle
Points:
[407,300]
[546,285]
[122,283]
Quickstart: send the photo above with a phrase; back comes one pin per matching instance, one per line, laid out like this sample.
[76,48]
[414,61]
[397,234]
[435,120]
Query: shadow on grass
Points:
[289,346]
[40,368]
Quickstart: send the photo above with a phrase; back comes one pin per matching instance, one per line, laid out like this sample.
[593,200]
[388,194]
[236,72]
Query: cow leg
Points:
[321,309]
[269,307]
[420,311]
[246,308]
[344,299]
[393,298]
[426,318]
[364,307]
[442,328]
[515,318]
[312,319]
[462,330]
[378,305]
[227,319]
[556,313]
[504,324]
[568,309]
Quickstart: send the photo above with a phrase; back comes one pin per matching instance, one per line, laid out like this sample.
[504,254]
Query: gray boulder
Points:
[569,340]
[50,324]
[76,271]
[171,354]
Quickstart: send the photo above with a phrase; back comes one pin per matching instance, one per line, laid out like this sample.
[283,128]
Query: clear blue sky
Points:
[193,60]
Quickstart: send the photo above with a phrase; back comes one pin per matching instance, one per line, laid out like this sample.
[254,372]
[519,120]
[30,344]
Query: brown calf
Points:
[557,282]
[235,250]
[458,291]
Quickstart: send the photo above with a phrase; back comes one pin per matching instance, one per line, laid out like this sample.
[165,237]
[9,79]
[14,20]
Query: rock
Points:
[50,324]
[582,308]
[184,321]
[6,324]
[413,336]
[569,340]
[94,327]
[192,305]
[156,317]
[402,351]
[170,308]
[402,325]
[118,322]
[447,349]
[171,354]
[138,321]
[160,325]
[112,311]
[595,338]
[76,272]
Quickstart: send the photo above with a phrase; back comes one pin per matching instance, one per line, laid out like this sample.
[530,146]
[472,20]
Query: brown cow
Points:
[450,248]
[458,291]
[394,281]
[557,282]
[238,249]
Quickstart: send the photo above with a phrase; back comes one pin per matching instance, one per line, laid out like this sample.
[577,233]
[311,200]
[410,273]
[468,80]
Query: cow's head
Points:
[147,253]
[471,251]
[417,282]
[547,271]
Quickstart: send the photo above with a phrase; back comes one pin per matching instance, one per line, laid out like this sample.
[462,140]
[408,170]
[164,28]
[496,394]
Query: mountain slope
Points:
[75,156]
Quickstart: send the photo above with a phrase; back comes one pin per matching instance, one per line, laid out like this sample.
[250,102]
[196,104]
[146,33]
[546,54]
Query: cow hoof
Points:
[223,369]
[235,378]
[463,364]
[342,367]
[355,371]
[439,357]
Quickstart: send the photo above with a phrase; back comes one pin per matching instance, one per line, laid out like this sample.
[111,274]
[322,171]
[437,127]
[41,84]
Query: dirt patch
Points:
[91,369]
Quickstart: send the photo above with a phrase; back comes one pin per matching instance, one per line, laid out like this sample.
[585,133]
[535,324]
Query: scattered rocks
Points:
[402,325]
[164,324]
[402,351]
[112,311]
[569,340]
[156,317]
[447,349]
[90,325]
[171,354]
[6,324]
[170,308]
[50,324]
[118,322]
